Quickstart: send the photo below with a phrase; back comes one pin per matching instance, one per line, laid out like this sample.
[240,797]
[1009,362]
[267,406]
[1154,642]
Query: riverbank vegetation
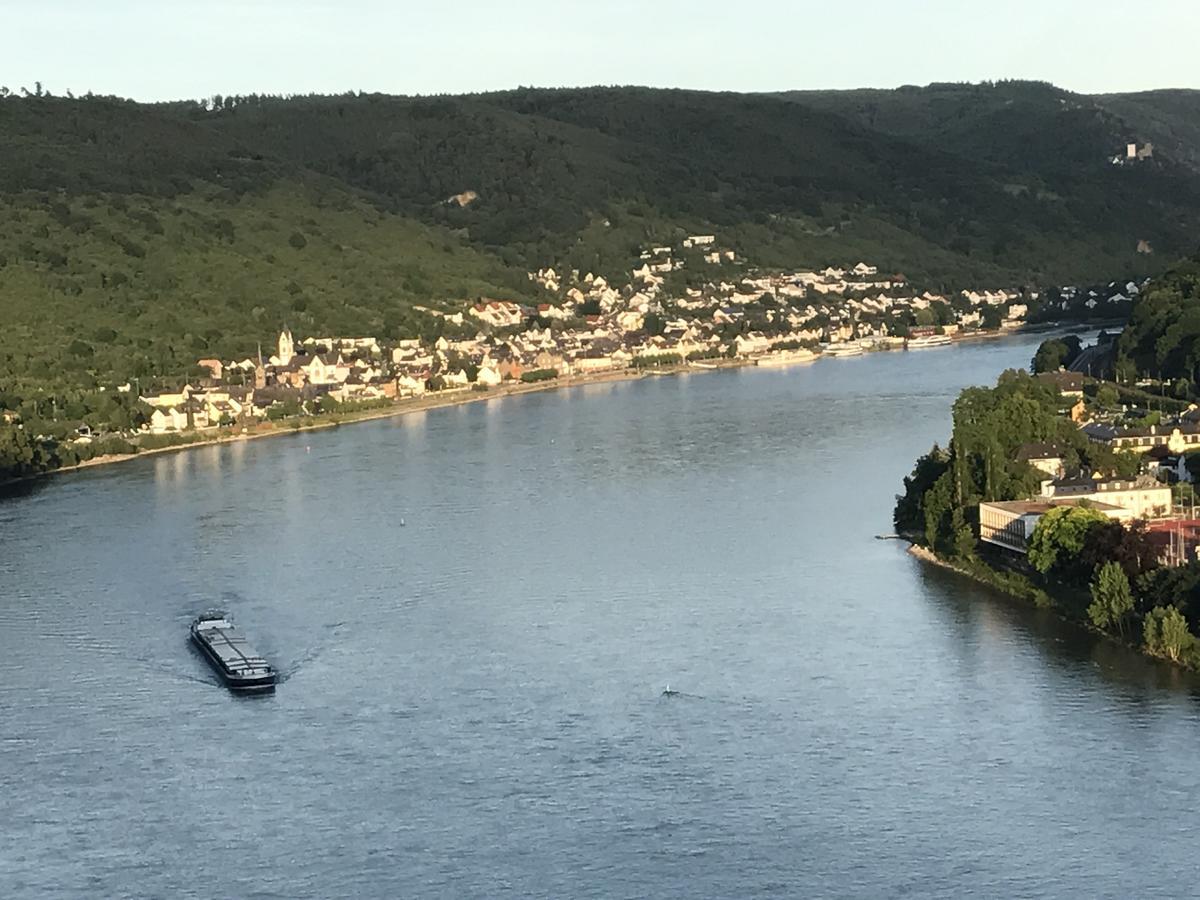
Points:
[1092,569]
[1088,567]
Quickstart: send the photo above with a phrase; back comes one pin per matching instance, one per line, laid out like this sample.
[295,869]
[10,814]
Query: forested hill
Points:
[139,237]
[1025,125]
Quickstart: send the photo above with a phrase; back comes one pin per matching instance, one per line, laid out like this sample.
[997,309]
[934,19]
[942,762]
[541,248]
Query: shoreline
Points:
[460,397]
[925,555]
[437,400]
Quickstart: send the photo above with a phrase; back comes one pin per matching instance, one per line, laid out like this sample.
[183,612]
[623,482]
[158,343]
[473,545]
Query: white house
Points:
[165,420]
[498,313]
[489,375]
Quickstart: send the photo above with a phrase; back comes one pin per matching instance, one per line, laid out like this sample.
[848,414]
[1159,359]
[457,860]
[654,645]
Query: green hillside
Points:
[136,238]
[1162,340]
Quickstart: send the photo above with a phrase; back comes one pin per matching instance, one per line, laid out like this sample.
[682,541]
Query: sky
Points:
[172,49]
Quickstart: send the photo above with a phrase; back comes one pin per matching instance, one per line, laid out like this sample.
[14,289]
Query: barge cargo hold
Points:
[241,668]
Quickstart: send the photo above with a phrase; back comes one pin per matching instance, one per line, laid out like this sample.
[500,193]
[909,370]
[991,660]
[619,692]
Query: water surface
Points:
[474,708]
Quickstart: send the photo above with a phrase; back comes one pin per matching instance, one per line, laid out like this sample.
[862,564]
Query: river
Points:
[478,609]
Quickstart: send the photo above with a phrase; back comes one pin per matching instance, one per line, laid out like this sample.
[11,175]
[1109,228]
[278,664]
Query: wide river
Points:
[478,609]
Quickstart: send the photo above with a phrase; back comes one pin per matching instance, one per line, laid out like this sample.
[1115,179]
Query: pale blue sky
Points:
[161,49]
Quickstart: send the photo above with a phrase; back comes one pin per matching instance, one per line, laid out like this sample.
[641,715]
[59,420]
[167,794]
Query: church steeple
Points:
[287,347]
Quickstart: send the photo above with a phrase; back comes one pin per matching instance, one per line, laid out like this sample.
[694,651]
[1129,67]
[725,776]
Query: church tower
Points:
[287,347]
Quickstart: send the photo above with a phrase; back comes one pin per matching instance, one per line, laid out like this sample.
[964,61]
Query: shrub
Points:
[1166,634]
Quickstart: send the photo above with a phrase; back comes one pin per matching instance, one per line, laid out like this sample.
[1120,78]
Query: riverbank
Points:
[1021,588]
[424,403]
[443,399]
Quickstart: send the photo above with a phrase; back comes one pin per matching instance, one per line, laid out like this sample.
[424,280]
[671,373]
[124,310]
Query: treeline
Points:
[1110,575]
[1162,340]
[22,453]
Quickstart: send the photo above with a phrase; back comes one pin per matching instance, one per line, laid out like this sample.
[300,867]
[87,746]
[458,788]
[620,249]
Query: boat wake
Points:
[310,655]
[670,694]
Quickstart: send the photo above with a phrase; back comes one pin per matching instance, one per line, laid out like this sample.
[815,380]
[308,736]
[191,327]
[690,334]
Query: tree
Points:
[938,509]
[1058,539]
[1108,396]
[1127,464]
[1130,547]
[1177,586]
[1165,633]
[1056,353]
[909,515]
[1112,600]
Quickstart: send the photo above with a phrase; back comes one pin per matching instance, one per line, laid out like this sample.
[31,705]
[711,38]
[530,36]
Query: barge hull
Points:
[238,665]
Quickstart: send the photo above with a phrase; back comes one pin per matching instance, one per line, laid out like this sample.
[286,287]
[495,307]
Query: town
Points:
[690,305]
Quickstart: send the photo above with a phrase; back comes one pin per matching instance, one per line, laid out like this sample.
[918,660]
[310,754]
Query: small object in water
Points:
[670,693]
[401,523]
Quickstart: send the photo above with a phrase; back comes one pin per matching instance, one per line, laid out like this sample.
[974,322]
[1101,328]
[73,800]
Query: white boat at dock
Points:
[848,349]
[787,358]
[928,340]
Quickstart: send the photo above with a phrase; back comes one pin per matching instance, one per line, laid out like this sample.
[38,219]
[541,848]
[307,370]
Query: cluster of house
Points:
[587,325]
[1107,298]
[344,369]
[1164,449]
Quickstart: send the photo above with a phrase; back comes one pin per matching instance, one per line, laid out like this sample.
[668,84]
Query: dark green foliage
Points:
[909,515]
[1163,336]
[1177,586]
[1056,547]
[1127,546]
[539,375]
[1112,599]
[990,425]
[656,360]
[20,454]
[1166,634]
[1056,353]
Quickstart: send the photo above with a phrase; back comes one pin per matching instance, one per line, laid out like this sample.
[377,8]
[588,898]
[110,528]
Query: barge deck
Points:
[238,664]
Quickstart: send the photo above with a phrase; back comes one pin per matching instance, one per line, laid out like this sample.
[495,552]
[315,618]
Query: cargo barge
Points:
[240,667]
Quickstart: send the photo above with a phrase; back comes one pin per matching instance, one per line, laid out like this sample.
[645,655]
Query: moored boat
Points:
[787,358]
[848,349]
[240,667]
[928,340]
